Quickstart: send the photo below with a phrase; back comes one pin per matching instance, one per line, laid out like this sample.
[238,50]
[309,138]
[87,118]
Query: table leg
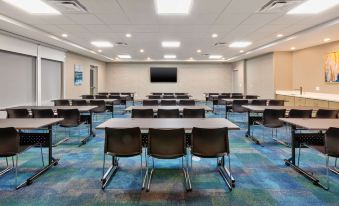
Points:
[92,133]
[51,162]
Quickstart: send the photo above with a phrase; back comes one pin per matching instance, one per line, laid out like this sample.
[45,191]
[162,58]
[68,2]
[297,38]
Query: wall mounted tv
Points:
[163,74]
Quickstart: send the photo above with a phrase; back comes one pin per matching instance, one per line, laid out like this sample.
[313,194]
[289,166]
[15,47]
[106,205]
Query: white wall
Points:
[238,77]
[260,76]
[194,78]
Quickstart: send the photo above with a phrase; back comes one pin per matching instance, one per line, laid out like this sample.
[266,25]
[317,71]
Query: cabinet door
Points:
[300,101]
[333,105]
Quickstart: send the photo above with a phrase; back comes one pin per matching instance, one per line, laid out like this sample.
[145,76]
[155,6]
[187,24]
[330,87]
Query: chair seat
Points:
[173,156]
[209,155]
[124,155]
[319,148]
[22,148]
[269,125]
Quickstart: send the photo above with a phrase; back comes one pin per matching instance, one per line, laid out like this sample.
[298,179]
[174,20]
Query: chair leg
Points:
[186,175]
[8,168]
[109,173]
[146,172]
[141,171]
[16,170]
[327,176]
[42,156]
[299,153]
[150,176]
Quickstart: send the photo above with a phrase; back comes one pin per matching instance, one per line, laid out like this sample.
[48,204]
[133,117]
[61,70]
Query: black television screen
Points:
[163,74]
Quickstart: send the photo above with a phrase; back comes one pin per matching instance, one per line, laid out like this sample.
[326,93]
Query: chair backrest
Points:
[168,97]
[251,97]
[157,93]
[237,94]
[332,142]
[79,103]
[237,105]
[193,113]
[100,97]
[182,97]
[237,97]
[142,113]
[271,117]
[123,142]
[300,113]
[115,93]
[259,102]
[154,97]
[223,97]
[103,93]
[126,93]
[168,102]
[9,142]
[62,102]
[150,102]
[17,113]
[166,143]
[87,96]
[42,113]
[101,106]
[210,142]
[180,94]
[327,114]
[168,113]
[187,102]
[226,94]
[71,117]
[170,93]
[114,96]
[276,102]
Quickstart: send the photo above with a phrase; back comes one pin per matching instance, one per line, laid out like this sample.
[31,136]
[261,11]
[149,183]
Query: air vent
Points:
[220,44]
[278,6]
[120,43]
[68,6]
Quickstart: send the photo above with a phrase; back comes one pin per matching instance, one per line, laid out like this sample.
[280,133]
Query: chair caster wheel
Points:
[233,185]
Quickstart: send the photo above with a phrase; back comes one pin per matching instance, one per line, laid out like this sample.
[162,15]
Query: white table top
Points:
[28,123]
[254,108]
[168,123]
[312,123]
[80,108]
[155,108]
[311,95]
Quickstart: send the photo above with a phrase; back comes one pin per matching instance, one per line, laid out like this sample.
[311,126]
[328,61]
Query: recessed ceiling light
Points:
[171,44]
[214,35]
[199,51]
[191,59]
[215,56]
[142,51]
[124,56]
[102,44]
[173,7]
[279,35]
[313,6]
[223,58]
[64,35]
[292,48]
[327,39]
[240,44]
[128,35]
[34,6]
[170,56]
[241,51]
[99,50]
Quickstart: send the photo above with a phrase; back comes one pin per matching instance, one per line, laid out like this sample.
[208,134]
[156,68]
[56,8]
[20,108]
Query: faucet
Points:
[301,90]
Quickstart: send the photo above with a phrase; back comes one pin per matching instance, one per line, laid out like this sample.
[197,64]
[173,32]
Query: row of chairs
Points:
[168,113]
[165,144]
[168,97]
[101,105]
[115,93]
[167,93]
[186,102]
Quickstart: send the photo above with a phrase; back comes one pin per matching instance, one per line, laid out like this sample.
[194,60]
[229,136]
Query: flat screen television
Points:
[163,74]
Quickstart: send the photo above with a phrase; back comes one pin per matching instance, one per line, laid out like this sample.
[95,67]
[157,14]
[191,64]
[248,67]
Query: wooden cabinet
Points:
[289,101]
[333,105]
[300,101]
[317,103]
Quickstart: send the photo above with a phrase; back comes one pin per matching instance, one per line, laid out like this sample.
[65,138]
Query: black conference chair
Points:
[168,113]
[168,97]
[79,103]
[150,102]
[115,94]
[182,97]
[87,96]
[17,113]
[142,113]
[271,120]
[168,102]
[167,144]
[300,113]
[327,114]
[71,120]
[330,148]
[213,143]
[193,113]
[121,143]
[237,96]
[237,106]
[101,96]
[186,102]
[171,93]
[156,93]
[251,97]
[42,113]
[103,93]
[154,97]
[62,102]
[180,94]
[259,102]
[100,107]
[276,102]
[10,147]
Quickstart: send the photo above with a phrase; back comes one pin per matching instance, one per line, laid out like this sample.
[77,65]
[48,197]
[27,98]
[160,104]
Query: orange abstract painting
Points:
[331,67]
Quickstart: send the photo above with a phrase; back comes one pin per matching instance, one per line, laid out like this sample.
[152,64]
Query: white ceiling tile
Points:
[84,18]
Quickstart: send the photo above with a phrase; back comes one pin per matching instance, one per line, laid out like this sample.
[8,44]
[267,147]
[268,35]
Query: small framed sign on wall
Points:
[78,75]
[331,67]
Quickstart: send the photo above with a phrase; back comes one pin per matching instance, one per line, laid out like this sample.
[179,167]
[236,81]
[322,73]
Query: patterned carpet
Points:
[261,176]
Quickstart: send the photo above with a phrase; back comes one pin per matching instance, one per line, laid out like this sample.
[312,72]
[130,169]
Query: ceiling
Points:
[110,20]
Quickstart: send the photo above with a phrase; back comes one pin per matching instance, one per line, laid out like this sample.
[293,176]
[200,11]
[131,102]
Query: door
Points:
[93,80]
